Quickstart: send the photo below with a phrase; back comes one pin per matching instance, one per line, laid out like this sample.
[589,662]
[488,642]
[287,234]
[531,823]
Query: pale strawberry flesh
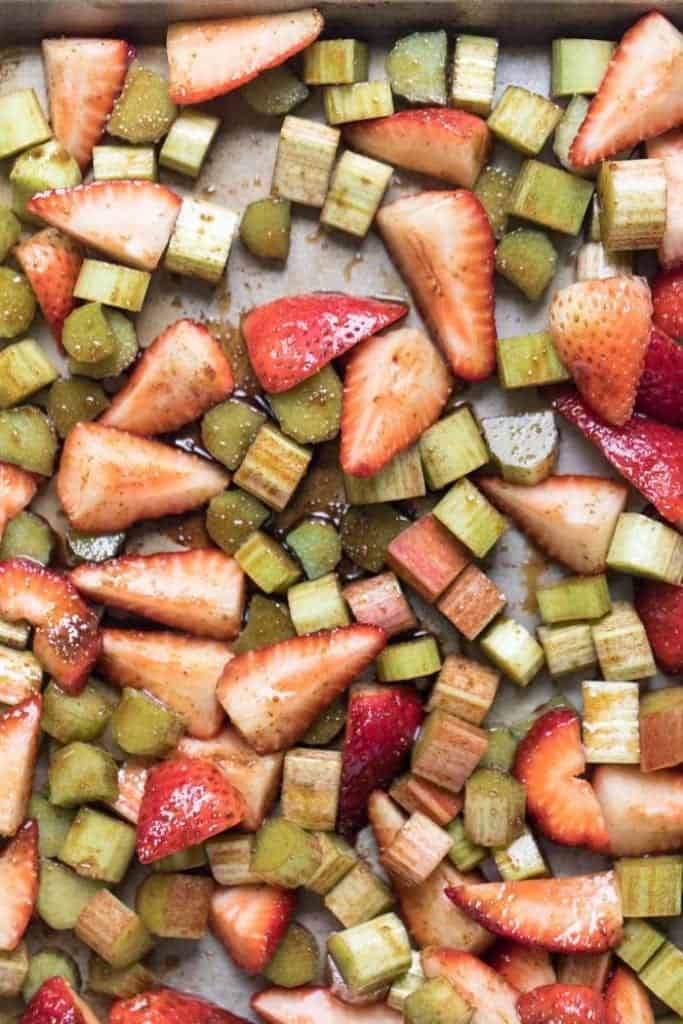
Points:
[309,1005]
[626,999]
[669,149]
[250,921]
[643,811]
[52,262]
[523,967]
[491,997]
[19,885]
[17,489]
[19,742]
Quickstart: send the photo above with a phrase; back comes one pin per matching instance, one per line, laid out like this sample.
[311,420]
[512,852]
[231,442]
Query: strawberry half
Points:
[626,999]
[84,78]
[523,967]
[667,302]
[491,997]
[274,694]
[660,392]
[130,221]
[561,1004]
[310,1005]
[52,263]
[660,606]
[669,149]
[19,742]
[571,518]
[201,591]
[67,636]
[448,144]
[647,453]
[181,671]
[209,58]
[290,339]
[168,1006]
[549,761]
[186,801]
[108,479]
[643,810]
[181,375]
[55,1002]
[395,386]
[17,489]
[19,885]
[640,96]
[602,331]
[249,921]
[563,915]
[443,245]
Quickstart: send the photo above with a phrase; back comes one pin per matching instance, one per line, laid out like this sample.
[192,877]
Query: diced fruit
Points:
[310,788]
[593,261]
[124,353]
[550,197]
[474,73]
[295,961]
[493,189]
[268,622]
[17,489]
[266,226]
[416,67]
[44,167]
[471,602]
[143,726]
[622,645]
[626,999]
[13,971]
[143,112]
[639,944]
[274,92]
[232,517]
[372,954]
[661,729]
[267,563]
[523,967]
[527,259]
[113,285]
[112,163]
[464,688]
[113,930]
[250,921]
[22,122]
[19,881]
[132,779]
[492,997]
[56,1001]
[579,65]
[336,62]
[160,1004]
[427,556]
[28,439]
[17,303]
[27,536]
[513,649]
[646,547]
[10,231]
[661,382]
[201,240]
[379,601]
[81,773]
[71,401]
[524,447]
[356,190]
[495,806]
[466,512]
[62,895]
[524,119]
[566,1004]
[632,196]
[309,1005]
[399,480]
[285,855]
[118,982]
[650,886]
[589,969]
[188,141]
[305,156]
[662,976]
[452,448]
[358,897]
[573,598]
[642,811]
[52,263]
[175,906]
[447,750]
[337,859]
[360,101]
[49,964]
[610,722]
[415,794]
[529,360]
[317,545]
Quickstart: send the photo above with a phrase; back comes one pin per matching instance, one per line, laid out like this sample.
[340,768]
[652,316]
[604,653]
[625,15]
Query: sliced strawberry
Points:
[180,670]
[669,149]
[571,518]
[602,331]
[181,375]
[19,885]
[647,453]
[643,810]
[209,58]
[317,1005]
[380,728]
[443,245]
[132,779]
[660,606]
[52,263]
[109,478]
[589,969]
[84,78]
[186,801]
[19,741]
[640,96]
[667,302]
[274,694]
[549,761]
[561,1004]
[563,915]
[290,339]
[130,221]
[626,999]
[67,637]
[385,817]
[447,144]
[202,591]
[660,392]
[168,1006]
[492,998]
[523,967]
[17,489]
[250,920]
[55,1002]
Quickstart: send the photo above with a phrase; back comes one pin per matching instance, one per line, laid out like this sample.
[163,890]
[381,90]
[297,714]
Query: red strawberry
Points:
[19,741]
[563,915]
[395,386]
[186,801]
[55,1002]
[52,263]
[201,590]
[380,728]
[549,761]
[290,339]
[84,77]
[561,1004]
[181,375]
[523,967]
[447,144]
[209,58]
[250,920]
[660,392]
[179,670]
[669,149]
[132,779]
[19,885]
[660,606]
[602,330]
[168,1006]
[643,810]
[317,1005]
[17,489]
[648,454]
[109,478]
[491,997]
[67,636]
[640,96]
[571,518]
[130,221]
[274,694]
[667,302]
[443,245]
[626,1000]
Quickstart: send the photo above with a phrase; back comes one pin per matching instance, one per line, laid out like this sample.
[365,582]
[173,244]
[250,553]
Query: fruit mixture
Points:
[225,707]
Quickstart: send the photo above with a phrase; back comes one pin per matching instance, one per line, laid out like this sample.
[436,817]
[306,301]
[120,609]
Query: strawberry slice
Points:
[310,1005]
[563,915]
[669,149]
[448,144]
[168,1006]
[571,518]
[561,1004]
[180,670]
[274,694]
[492,998]
[19,742]
[108,479]
[55,1002]
[647,453]
[602,330]
[660,606]
[67,636]
[660,392]
[395,386]
[186,801]
[209,58]
[385,817]
[523,967]
[380,728]
[19,885]
[250,921]
[443,245]
[202,591]
[181,375]
[130,221]
[549,761]
[132,779]
[626,999]
[643,810]
[17,489]
[290,339]
[84,78]
[640,96]
[52,263]
[667,302]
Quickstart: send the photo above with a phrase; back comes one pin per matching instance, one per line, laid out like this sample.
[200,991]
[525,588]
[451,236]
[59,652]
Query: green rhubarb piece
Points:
[633,204]
[493,188]
[17,303]
[229,428]
[143,726]
[436,1001]
[28,439]
[650,886]
[285,854]
[367,532]
[230,859]
[87,335]
[174,906]
[50,963]
[184,860]
[92,547]
[27,535]
[513,650]
[359,896]
[371,955]
[267,563]
[567,648]
[113,930]
[566,132]
[124,353]
[120,163]
[13,970]
[42,168]
[98,846]
[337,859]
[274,92]
[318,604]
[24,369]
[356,190]
[501,750]
[529,360]
[310,412]
[118,982]
[75,400]
[268,622]
[464,853]
[232,517]
[336,62]
[471,517]
[406,984]
[550,197]
[495,805]
[594,234]
[305,156]
[82,717]
[53,824]
[361,101]
[521,859]
[266,227]
[663,975]
[452,448]
[62,895]
[401,479]
[327,725]
[296,959]
[81,773]
[645,547]
[639,944]
[524,119]
[578,597]
[579,65]
[201,240]
[22,122]
[523,447]
[188,141]
[10,231]
[112,285]
[144,112]
[474,74]
[273,467]
[411,659]
[416,68]
[622,644]
[527,259]
[317,545]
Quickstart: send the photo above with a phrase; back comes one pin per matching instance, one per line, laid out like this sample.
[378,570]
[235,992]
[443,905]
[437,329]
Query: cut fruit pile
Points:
[230,704]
